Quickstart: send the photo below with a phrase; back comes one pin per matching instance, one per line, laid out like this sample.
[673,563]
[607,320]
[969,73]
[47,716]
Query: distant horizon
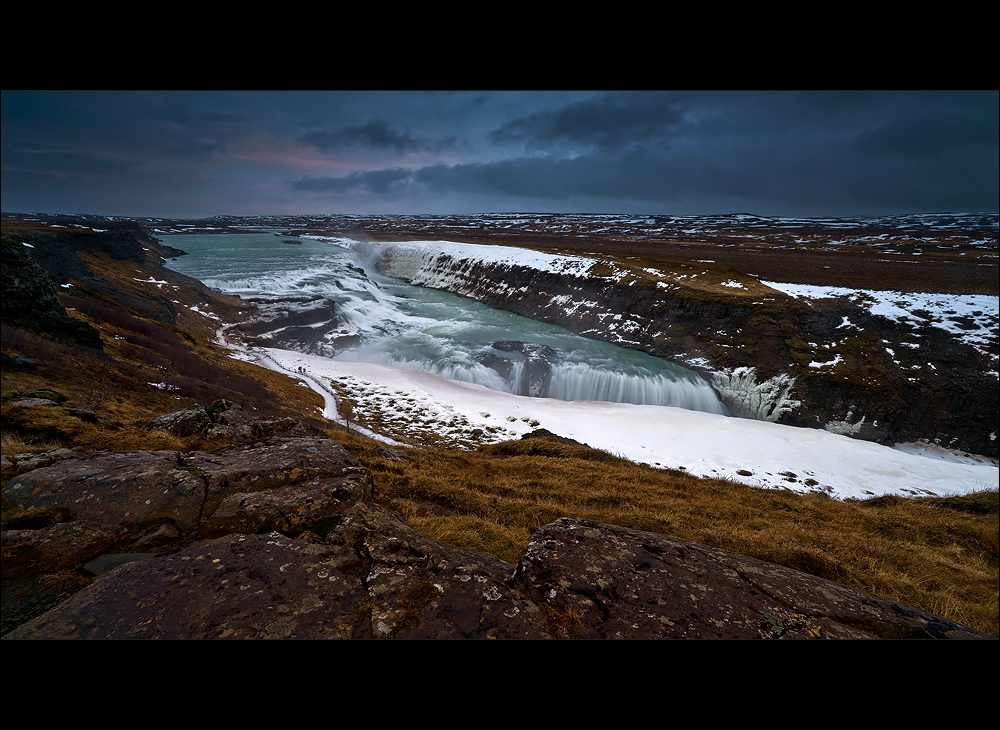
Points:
[508,213]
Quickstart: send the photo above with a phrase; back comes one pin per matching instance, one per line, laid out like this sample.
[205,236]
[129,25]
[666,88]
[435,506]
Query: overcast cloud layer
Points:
[197,154]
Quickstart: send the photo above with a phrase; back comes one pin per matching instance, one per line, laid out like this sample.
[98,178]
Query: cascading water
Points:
[431,330]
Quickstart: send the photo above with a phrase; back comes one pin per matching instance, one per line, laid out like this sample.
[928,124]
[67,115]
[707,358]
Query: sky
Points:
[197,154]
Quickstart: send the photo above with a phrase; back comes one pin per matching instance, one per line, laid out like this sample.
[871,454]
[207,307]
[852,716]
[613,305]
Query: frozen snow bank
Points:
[757,453]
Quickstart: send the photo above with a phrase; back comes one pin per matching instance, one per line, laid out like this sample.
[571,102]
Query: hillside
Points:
[157,355]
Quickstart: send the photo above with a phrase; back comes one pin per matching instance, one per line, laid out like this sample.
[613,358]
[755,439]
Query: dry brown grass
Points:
[938,555]
[108,398]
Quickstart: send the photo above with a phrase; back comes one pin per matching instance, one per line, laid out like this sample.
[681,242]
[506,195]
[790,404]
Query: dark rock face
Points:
[306,324]
[290,510]
[118,502]
[143,491]
[604,581]
[29,300]
[187,422]
[280,539]
[20,463]
[374,579]
[537,367]
[225,419]
[131,488]
[291,547]
[17,362]
[502,365]
[57,252]
[61,546]
[273,464]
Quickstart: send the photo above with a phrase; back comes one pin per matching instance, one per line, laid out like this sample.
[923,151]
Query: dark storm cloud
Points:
[196,148]
[609,122]
[392,183]
[643,178]
[375,135]
[932,135]
[62,160]
[777,174]
[523,179]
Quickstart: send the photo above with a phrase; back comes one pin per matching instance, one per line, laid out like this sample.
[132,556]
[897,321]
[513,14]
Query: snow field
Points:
[419,406]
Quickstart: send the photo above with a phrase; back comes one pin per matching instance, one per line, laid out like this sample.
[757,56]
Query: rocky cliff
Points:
[30,302]
[822,364]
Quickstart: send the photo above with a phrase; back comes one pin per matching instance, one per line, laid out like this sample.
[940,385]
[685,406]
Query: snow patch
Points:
[972,318]
[831,363]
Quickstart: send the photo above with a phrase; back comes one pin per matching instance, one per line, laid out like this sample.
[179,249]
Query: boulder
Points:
[271,464]
[187,422]
[130,488]
[225,419]
[290,510]
[537,367]
[55,547]
[20,463]
[265,428]
[228,420]
[603,581]
[503,366]
[144,491]
[374,578]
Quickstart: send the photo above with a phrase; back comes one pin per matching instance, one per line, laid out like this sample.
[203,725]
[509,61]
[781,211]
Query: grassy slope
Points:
[937,554]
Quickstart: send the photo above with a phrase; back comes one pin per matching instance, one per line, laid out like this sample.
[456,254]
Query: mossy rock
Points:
[218,406]
[45,393]
[601,270]
[83,415]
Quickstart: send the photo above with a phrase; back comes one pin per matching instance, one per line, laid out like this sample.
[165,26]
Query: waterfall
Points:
[384,320]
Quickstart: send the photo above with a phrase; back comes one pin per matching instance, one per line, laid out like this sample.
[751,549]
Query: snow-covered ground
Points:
[972,318]
[427,263]
[408,403]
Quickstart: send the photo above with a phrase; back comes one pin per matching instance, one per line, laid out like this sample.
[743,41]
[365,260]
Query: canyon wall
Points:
[822,364]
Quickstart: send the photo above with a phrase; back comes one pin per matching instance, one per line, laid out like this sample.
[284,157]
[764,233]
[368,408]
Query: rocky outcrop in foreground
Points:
[281,540]
[223,419]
